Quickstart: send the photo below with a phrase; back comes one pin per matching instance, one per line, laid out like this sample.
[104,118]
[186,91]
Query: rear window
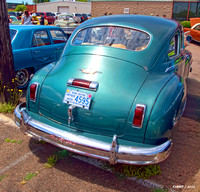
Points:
[119,37]
[12,33]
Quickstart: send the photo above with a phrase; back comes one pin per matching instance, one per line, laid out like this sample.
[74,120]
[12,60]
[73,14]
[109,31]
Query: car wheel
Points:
[23,76]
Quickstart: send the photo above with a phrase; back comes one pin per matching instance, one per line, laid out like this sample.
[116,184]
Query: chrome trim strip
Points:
[112,152]
[94,85]
[177,119]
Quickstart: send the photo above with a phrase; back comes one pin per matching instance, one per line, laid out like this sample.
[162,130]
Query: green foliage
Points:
[13,141]
[82,0]
[141,172]
[40,1]
[51,161]
[2,177]
[6,107]
[14,96]
[160,190]
[21,8]
[186,24]
[28,177]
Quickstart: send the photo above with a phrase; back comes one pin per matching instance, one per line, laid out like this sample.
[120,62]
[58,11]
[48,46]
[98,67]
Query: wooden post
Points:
[6,56]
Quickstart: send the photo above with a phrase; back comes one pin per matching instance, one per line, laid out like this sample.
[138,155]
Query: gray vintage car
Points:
[66,22]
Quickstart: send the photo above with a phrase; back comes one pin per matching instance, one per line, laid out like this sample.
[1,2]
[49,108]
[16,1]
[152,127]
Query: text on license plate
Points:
[77,98]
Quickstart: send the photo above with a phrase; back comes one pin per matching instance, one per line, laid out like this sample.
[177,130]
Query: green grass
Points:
[13,141]
[28,177]
[141,172]
[2,177]
[53,159]
[7,108]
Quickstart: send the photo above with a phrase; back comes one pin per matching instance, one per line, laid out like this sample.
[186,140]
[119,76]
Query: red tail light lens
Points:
[33,90]
[139,115]
[81,83]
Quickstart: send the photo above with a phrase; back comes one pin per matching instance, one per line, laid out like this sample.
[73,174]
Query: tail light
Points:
[85,84]
[33,91]
[139,115]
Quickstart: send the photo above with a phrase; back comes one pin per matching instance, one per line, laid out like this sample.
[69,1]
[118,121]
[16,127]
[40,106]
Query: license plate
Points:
[77,98]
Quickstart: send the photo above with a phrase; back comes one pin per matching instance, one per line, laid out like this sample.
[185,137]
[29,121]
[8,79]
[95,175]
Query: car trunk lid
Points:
[117,83]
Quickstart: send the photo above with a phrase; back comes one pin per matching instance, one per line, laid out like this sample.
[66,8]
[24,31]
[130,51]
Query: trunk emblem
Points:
[89,71]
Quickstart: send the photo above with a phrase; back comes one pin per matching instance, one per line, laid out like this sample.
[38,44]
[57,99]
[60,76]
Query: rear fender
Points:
[39,78]
[166,111]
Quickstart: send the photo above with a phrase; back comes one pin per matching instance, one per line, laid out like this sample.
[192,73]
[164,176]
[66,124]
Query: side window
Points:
[40,38]
[173,47]
[58,36]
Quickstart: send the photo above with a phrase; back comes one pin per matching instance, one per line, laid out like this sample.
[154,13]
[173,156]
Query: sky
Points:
[20,1]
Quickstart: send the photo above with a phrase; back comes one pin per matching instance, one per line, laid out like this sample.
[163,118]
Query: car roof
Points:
[161,30]
[151,24]
[31,27]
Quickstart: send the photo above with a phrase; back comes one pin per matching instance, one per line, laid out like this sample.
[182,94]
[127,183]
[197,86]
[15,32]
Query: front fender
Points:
[166,110]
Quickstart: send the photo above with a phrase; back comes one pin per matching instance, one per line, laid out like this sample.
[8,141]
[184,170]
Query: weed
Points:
[14,96]
[2,177]
[160,190]
[13,141]
[39,142]
[141,172]
[51,161]
[28,177]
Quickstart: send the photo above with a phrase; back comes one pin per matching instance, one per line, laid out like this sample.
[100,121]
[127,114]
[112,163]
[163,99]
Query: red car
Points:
[48,16]
[194,31]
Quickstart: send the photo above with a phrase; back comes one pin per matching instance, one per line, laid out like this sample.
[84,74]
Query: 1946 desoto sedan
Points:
[115,94]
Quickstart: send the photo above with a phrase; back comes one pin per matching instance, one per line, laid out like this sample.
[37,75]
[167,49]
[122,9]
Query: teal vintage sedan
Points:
[34,47]
[116,93]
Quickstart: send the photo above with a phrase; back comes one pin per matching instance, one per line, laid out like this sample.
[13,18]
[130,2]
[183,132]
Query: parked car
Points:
[194,31]
[77,17]
[89,16]
[47,15]
[84,17]
[115,94]
[15,20]
[66,22]
[34,46]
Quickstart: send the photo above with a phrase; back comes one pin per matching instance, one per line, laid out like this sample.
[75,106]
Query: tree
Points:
[7,69]
[20,8]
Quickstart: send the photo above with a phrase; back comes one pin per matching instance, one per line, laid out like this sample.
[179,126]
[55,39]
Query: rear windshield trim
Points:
[123,27]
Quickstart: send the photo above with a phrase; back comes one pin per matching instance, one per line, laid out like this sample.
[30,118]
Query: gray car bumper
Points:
[112,152]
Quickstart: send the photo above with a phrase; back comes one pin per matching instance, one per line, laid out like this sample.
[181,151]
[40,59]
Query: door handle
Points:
[36,51]
[58,48]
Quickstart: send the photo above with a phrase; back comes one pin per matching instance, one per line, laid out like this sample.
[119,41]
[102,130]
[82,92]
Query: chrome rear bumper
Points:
[112,152]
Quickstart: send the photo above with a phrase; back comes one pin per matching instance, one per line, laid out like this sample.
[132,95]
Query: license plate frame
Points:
[77,98]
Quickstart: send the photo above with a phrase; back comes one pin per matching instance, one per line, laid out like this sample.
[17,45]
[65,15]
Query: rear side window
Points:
[40,38]
[12,33]
[58,36]
[173,47]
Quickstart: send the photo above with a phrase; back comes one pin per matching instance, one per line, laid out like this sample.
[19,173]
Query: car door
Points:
[59,40]
[43,51]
